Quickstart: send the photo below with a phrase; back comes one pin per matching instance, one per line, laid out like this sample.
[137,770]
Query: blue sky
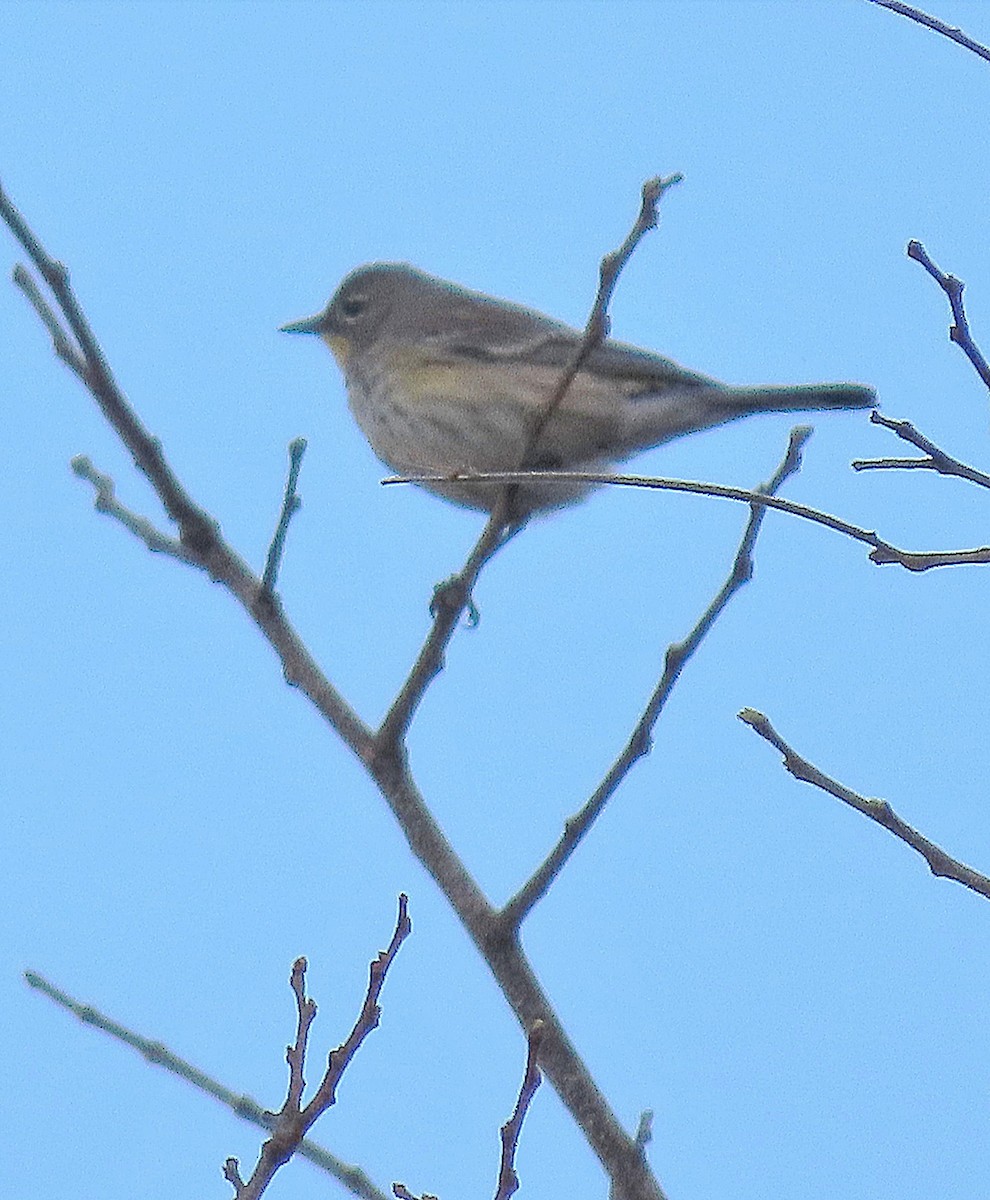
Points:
[801,1004]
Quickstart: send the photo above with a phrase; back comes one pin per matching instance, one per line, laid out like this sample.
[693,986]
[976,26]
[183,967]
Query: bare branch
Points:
[295,1055]
[883,552]
[597,326]
[232,1173]
[353,1178]
[953,32]
[926,560]
[62,342]
[199,533]
[368,1020]
[106,502]
[300,669]
[508,1180]
[640,742]
[877,810]
[290,505]
[616,1150]
[937,459]
[292,1122]
[197,529]
[449,602]
[959,329]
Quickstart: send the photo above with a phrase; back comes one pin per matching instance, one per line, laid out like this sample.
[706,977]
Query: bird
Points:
[443,381]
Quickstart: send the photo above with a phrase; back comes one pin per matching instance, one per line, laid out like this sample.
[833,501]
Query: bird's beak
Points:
[315,325]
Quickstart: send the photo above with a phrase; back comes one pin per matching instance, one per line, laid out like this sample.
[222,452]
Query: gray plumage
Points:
[442,379]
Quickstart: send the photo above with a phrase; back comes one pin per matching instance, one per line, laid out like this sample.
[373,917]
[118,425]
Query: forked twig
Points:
[292,1122]
[353,1178]
[937,459]
[196,528]
[64,347]
[106,502]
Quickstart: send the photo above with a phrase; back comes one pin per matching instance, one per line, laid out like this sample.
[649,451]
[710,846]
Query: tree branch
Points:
[508,1180]
[880,811]
[106,502]
[959,329]
[197,529]
[291,1123]
[449,602]
[64,347]
[640,742]
[937,459]
[883,552]
[291,503]
[597,326]
[353,1178]
[952,32]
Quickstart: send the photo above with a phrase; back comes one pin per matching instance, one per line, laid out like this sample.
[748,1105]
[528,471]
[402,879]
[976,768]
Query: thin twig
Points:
[937,459]
[290,1125]
[353,1178]
[959,329]
[368,1019]
[508,1180]
[953,32]
[290,505]
[882,552]
[295,1054]
[597,326]
[196,528]
[449,602]
[66,350]
[880,811]
[106,502]
[639,743]
[644,1135]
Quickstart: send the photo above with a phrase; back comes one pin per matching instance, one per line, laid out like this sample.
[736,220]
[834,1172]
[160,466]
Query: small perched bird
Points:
[444,380]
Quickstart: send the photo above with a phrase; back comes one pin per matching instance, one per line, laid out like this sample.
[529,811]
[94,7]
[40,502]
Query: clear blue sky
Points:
[802,1005]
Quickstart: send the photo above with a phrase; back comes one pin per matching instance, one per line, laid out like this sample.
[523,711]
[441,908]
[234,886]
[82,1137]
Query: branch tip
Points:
[952,32]
[291,503]
[879,811]
[959,331]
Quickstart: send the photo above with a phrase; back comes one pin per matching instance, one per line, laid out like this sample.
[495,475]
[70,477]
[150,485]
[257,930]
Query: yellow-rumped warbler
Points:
[443,380]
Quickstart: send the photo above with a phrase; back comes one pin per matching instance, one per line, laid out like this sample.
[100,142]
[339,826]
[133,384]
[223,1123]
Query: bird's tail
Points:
[653,419]
[800,398]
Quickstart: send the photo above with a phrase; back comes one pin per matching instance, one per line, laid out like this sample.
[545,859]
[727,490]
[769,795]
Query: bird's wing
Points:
[502,333]
[620,361]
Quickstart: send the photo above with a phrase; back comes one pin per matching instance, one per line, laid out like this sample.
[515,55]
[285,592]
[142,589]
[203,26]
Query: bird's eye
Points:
[353,306]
